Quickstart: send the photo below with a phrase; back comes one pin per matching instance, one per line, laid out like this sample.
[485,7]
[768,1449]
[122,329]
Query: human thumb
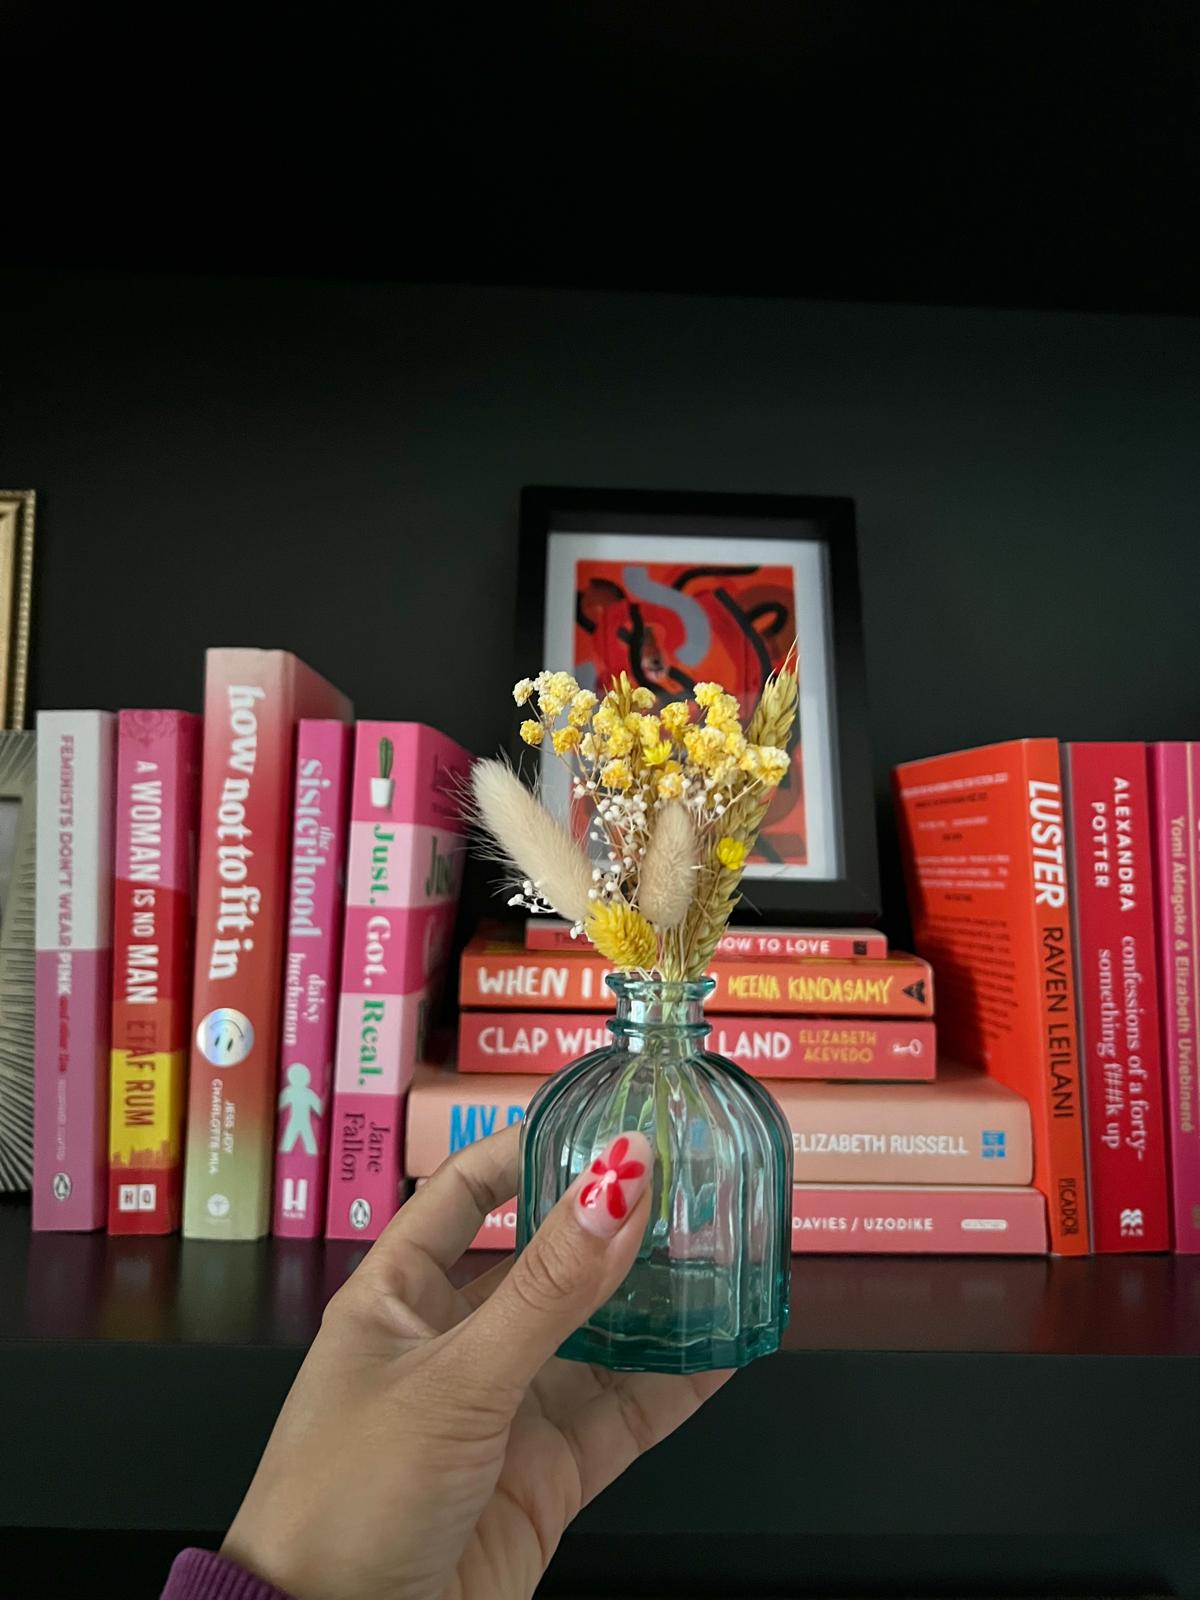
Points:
[574,1262]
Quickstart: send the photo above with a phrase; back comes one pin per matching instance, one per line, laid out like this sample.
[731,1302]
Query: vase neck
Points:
[671,1015]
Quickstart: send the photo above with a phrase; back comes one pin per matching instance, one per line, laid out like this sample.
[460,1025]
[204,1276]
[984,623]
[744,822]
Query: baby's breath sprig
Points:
[678,793]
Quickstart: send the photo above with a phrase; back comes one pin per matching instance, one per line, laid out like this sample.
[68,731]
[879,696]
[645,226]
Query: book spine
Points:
[766,1047]
[73,982]
[158,789]
[852,1220]
[1060,1162]
[1175,788]
[405,870]
[901,986]
[738,944]
[1111,881]
[311,968]
[842,1133]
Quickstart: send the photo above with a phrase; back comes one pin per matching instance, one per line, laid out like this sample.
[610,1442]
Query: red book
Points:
[158,794]
[750,944]
[767,1047]
[963,1128]
[983,837]
[252,702]
[860,1219]
[498,973]
[1117,970]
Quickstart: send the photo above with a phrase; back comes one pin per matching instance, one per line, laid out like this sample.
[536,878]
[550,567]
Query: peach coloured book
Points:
[502,973]
[253,700]
[158,800]
[76,753]
[751,944]
[963,1128]
[855,1048]
[983,837]
[312,963]
[863,1219]
[405,870]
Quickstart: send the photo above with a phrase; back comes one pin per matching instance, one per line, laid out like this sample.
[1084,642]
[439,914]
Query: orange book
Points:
[501,973]
[984,842]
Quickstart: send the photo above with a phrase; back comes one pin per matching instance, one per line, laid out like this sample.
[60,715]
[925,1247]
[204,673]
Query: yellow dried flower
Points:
[707,694]
[565,740]
[532,732]
[676,718]
[642,699]
[704,746]
[670,785]
[589,747]
[774,764]
[522,690]
[550,704]
[581,708]
[643,728]
[616,775]
[731,854]
[608,717]
[735,744]
[723,714]
[619,742]
[622,935]
[656,754]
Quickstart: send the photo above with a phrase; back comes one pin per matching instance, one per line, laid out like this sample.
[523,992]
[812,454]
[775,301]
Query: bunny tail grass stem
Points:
[535,842]
[667,880]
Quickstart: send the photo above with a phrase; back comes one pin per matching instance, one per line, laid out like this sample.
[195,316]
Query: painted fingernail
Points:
[613,1184]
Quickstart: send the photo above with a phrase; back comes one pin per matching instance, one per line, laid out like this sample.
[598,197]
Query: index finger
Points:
[446,1213]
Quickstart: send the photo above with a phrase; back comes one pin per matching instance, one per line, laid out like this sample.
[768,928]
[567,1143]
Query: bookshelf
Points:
[920,1406]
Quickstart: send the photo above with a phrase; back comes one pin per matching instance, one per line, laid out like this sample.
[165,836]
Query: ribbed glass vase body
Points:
[709,1288]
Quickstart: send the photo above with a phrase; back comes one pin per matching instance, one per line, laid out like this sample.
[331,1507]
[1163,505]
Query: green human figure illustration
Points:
[301,1104]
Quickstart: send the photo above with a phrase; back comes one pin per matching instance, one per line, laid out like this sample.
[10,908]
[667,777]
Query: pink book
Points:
[405,869]
[76,777]
[963,1128]
[311,966]
[1175,802]
[755,944]
[842,1048]
[860,1219]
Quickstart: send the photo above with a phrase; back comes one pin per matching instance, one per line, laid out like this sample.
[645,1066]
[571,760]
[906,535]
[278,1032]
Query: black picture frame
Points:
[852,896]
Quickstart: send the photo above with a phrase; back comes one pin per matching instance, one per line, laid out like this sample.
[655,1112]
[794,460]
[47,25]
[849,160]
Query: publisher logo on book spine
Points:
[60,1186]
[225,1037]
[360,1213]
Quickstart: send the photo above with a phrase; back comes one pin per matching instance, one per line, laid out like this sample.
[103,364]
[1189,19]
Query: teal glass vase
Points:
[709,1288]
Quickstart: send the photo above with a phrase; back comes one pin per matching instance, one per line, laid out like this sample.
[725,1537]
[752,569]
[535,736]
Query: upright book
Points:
[252,702]
[1175,789]
[984,843]
[752,944]
[311,965]
[406,859]
[1112,887]
[73,916]
[496,972]
[963,1128]
[158,797]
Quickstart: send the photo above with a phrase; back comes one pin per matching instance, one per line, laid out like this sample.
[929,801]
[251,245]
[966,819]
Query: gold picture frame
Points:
[16,602]
[18,871]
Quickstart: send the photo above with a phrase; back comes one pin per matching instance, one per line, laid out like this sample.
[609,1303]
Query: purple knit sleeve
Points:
[204,1575]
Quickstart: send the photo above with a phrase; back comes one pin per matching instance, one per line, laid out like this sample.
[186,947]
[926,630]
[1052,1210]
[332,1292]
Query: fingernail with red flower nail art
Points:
[613,1184]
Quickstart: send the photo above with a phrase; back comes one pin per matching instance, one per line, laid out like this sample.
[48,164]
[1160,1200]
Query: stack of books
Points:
[891,1153]
[225,1035]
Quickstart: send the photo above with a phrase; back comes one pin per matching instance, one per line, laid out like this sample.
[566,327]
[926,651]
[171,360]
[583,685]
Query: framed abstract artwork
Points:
[678,588]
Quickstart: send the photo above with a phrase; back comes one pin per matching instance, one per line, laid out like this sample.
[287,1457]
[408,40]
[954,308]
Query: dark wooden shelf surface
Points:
[1044,1411]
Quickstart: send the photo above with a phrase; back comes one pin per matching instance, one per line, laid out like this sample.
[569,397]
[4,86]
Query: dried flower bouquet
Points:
[679,796]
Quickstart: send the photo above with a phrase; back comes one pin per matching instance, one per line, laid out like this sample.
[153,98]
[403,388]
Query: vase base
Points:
[634,1353]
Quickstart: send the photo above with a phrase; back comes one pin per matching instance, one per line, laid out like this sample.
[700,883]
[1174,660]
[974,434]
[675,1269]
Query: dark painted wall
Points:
[335,467]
